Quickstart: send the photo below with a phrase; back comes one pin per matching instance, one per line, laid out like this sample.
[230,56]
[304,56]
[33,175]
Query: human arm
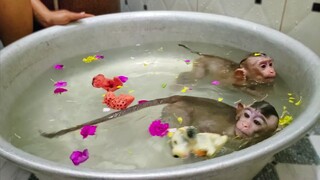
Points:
[60,17]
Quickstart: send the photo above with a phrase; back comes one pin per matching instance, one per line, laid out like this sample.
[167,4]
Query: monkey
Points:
[257,121]
[255,70]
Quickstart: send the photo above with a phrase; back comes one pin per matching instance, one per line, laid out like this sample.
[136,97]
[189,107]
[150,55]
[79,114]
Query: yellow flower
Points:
[220,99]
[89,59]
[170,134]
[184,89]
[286,120]
[299,102]
[180,119]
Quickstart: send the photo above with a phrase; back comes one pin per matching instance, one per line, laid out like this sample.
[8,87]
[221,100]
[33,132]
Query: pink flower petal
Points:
[142,101]
[157,128]
[88,130]
[60,84]
[215,82]
[123,78]
[58,67]
[187,61]
[78,157]
[99,56]
[60,90]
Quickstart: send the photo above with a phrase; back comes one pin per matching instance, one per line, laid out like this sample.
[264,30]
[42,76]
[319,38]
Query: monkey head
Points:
[257,67]
[258,120]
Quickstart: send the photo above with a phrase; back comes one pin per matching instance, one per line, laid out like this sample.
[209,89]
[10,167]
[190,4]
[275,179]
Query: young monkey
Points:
[256,69]
[254,123]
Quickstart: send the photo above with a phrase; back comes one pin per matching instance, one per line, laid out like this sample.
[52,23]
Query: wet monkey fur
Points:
[258,121]
[256,69]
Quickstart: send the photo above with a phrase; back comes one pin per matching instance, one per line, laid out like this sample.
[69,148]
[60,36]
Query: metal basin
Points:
[26,59]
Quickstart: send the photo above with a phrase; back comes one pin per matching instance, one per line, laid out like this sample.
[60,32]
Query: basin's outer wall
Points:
[28,58]
[245,171]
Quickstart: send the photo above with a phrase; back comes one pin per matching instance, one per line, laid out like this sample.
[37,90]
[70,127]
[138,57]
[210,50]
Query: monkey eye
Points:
[246,115]
[256,122]
[263,66]
[270,64]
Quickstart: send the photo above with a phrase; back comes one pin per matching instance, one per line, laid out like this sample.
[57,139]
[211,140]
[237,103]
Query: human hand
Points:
[60,17]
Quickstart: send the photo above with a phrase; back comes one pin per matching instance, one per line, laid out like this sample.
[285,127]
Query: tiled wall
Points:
[299,19]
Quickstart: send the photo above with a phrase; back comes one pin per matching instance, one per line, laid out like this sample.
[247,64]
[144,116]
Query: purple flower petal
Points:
[157,128]
[60,90]
[123,78]
[78,157]
[142,101]
[187,61]
[99,56]
[58,67]
[215,82]
[60,84]
[88,130]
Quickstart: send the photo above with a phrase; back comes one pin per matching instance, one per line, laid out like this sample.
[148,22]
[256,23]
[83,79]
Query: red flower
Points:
[121,102]
[100,81]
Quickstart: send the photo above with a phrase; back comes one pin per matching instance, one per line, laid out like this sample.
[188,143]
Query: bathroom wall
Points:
[299,19]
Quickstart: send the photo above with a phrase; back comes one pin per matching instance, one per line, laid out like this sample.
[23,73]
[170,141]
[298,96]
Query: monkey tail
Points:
[168,100]
[192,51]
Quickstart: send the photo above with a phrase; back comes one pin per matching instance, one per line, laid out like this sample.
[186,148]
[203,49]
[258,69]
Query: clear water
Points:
[123,143]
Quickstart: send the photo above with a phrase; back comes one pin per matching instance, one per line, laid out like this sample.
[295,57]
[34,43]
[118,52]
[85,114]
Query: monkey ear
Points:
[240,107]
[240,74]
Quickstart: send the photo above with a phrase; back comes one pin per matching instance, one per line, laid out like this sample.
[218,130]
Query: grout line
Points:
[56,4]
[283,13]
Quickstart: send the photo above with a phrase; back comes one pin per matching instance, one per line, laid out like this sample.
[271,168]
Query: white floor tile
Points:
[315,141]
[297,171]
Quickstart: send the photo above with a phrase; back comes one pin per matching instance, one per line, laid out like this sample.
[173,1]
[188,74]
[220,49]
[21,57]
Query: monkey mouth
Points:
[240,133]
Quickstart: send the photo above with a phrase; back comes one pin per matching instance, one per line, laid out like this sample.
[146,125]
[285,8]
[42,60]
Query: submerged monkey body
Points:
[254,74]
[167,113]
[208,115]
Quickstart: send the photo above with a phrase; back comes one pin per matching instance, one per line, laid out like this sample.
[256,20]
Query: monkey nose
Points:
[245,125]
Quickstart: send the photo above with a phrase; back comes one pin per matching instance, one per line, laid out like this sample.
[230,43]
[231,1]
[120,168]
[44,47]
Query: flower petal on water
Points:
[87,130]
[157,128]
[215,83]
[58,66]
[142,101]
[179,119]
[60,90]
[123,78]
[164,85]
[78,157]
[184,89]
[98,56]
[187,61]
[60,84]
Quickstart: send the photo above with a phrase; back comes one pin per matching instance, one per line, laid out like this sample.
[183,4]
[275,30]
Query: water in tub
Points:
[122,143]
